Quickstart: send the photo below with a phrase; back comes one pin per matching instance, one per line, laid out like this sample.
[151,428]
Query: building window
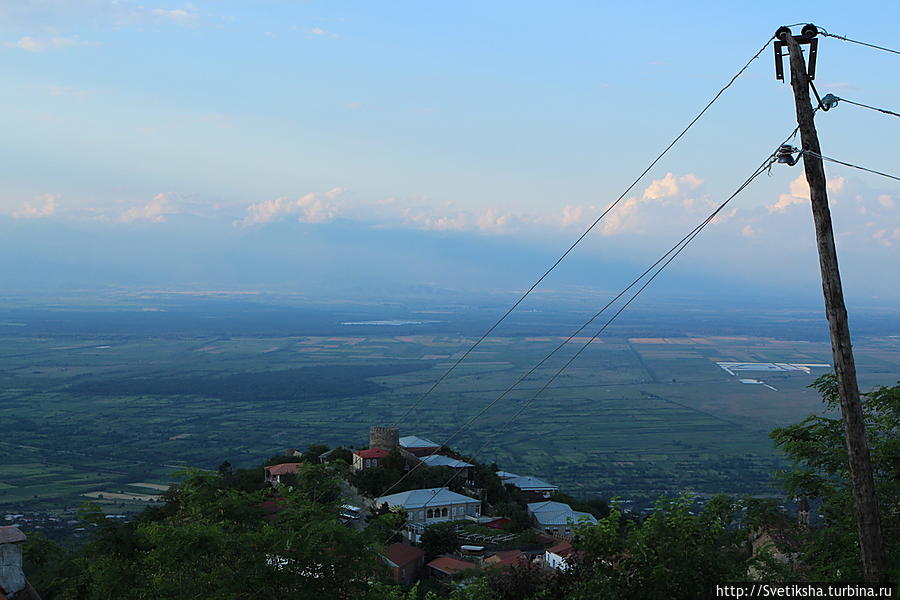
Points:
[444,512]
[421,514]
[430,514]
[477,510]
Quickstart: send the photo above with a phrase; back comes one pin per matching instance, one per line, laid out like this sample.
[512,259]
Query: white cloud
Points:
[886,200]
[31,44]
[37,208]
[311,208]
[155,211]
[881,236]
[798,193]
[748,231]
[181,16]
[671,186]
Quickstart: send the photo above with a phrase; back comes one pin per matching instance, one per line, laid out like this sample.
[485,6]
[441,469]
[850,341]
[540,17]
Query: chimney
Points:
[803,513]
[12,578]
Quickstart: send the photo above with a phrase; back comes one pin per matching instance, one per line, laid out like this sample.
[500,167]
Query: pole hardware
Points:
[807,37]
[785,155]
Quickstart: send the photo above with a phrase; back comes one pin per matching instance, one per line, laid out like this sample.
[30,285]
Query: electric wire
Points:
[846,39]
[668,257]
[846,164]
[883,110]
[583,235]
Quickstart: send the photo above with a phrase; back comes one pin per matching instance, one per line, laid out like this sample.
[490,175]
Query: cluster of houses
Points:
[555,521]
[407,563]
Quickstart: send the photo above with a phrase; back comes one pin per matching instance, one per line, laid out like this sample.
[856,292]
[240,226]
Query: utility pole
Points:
[862,481]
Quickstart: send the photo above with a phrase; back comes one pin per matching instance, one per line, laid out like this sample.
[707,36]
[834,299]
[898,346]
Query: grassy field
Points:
[90,415]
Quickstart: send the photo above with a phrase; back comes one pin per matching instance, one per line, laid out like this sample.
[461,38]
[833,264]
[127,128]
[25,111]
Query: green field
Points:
[633,417]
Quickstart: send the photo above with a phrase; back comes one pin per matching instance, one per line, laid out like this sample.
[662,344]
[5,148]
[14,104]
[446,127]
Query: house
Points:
[405,562]
[432,505]
[556,557]
[505,558]
[367,459]
[533,487]
[418,446]
[274,473]
[439,460]
[557,518]
[447,566]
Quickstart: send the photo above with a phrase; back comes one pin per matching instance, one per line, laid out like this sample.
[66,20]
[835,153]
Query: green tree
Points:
[819,472]
[216,544]
[440,538]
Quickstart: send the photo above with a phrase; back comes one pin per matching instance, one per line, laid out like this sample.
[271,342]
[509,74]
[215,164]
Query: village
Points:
[486,538]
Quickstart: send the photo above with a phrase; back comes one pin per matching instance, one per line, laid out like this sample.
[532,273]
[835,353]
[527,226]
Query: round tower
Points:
[386,438]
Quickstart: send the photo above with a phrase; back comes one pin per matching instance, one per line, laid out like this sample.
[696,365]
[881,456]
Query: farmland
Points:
[110,404]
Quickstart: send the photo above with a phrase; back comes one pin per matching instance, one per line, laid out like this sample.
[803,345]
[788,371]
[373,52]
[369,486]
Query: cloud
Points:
[798,193]
[155,211]
[881,236]
[886,200]
[671,186]
[37,208]
[181,16]
[311,208]
[319,32]
[748,231]
[670,196]
[31,44]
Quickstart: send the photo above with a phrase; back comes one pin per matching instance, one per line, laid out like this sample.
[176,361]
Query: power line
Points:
[883,110]
[583,235]
[846,164]
[668,257]
[846,39]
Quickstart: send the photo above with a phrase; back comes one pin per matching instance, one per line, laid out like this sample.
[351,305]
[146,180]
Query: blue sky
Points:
[507,126]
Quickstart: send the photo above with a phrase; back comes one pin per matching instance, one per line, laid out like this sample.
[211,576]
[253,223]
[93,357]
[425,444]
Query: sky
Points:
[335,145]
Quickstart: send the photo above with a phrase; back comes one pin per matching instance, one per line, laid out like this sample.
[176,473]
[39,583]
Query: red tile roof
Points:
[403,554]
[450,566]
[283,468]
[500,523]
[372,453]
[562,549]
[506,558]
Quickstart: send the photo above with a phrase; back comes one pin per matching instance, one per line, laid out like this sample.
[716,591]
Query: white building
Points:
[527,483]
[432,505]
[555,556]
[558,519]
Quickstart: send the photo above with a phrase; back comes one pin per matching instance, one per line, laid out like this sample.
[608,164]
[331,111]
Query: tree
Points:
[819,472]
[670,554]
[440,538]
[216,544]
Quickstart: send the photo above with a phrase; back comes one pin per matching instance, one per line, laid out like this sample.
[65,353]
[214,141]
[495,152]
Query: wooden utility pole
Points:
[861,478]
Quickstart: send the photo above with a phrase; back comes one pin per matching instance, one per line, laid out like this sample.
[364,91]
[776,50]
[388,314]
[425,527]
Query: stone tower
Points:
[12,579]
[386,438]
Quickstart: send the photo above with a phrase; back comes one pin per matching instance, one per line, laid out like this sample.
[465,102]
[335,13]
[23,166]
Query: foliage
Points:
[440,538]
[216,544]
[820,472]
[595,506]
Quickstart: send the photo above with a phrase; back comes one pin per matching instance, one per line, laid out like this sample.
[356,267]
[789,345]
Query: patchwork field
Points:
[89,415]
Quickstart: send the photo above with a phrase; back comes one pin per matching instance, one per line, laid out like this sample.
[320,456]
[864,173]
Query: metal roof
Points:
[527,482]
[425,497]
[438,460]
[558,513]
[412,441]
